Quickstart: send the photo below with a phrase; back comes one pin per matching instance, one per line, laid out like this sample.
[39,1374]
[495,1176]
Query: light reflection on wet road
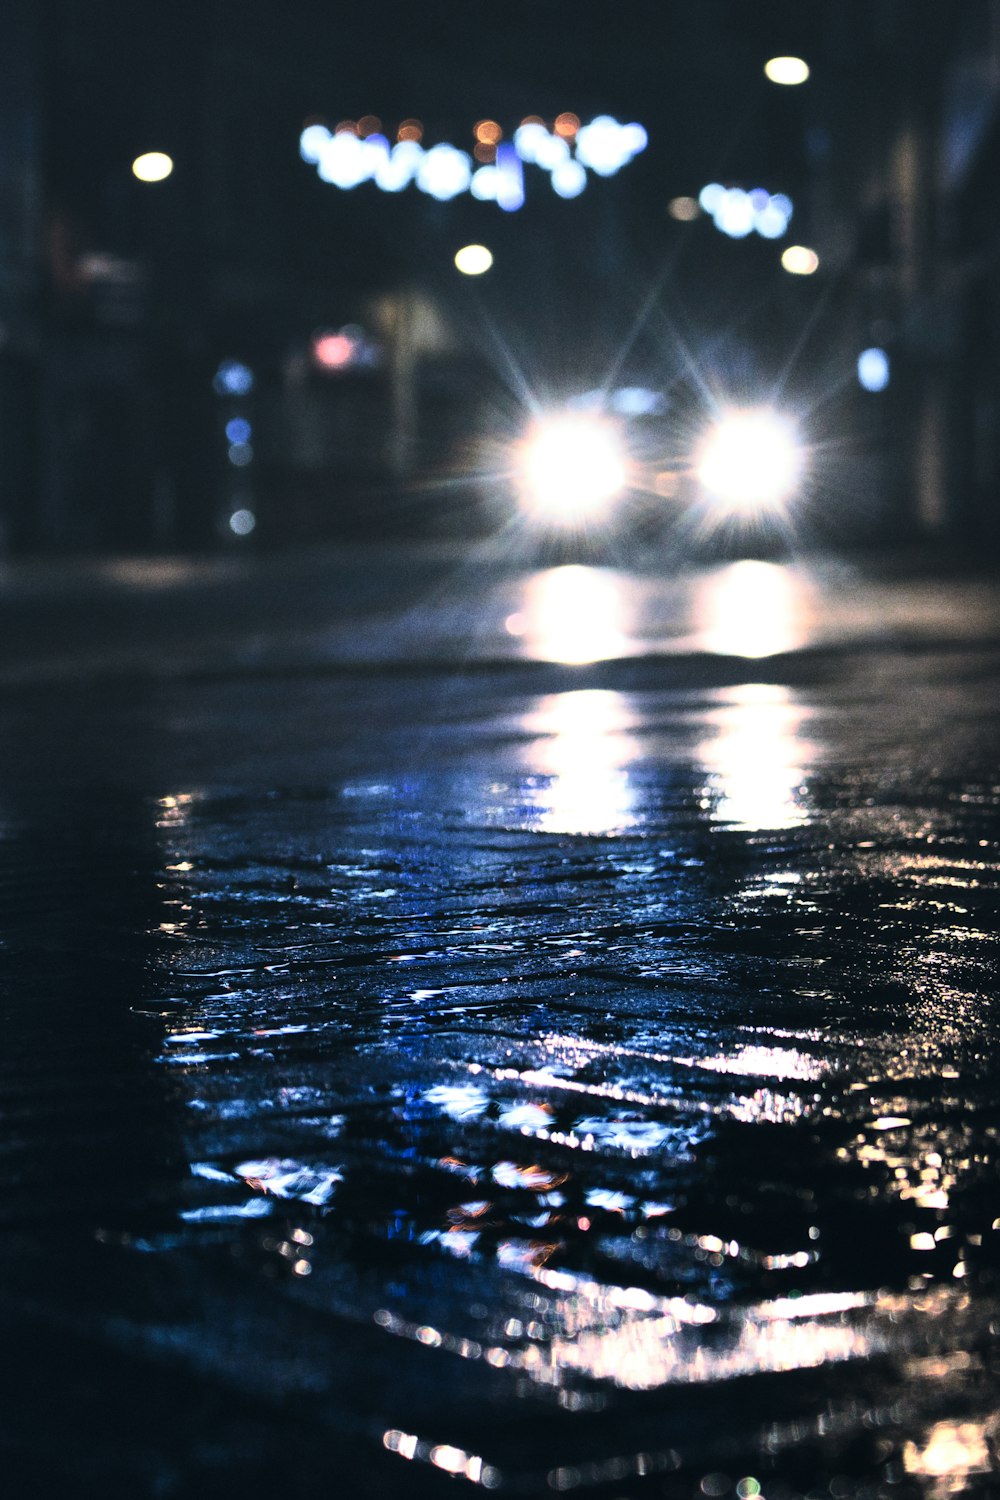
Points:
[570,1077]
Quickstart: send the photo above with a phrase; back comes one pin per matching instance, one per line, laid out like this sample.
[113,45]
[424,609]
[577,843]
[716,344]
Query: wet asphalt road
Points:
[495,1028]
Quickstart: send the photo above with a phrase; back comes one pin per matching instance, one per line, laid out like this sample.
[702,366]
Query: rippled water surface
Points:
[575,1085]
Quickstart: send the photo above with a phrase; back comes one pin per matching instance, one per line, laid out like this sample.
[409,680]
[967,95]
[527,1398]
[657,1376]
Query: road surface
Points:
[474,1027]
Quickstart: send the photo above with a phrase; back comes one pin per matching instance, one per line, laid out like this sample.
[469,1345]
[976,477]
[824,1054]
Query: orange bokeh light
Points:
[488,132]
[567,124]
[410,130]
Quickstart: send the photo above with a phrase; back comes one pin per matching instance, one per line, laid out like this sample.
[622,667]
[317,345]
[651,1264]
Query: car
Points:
[631,463]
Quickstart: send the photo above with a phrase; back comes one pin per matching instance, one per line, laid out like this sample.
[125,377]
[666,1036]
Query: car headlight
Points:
[750,462]
[572,469]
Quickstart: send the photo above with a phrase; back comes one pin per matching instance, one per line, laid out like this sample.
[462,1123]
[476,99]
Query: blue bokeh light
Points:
[510,179]
[569,179]
[873,369]
[346,160]
[444,173]
[233,378]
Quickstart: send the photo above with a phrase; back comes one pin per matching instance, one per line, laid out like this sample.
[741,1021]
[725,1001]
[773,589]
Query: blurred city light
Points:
[771,221]
[569,179]
[683,209]
[240,455]
[799,260]
[152,166]
[336,350]
[605,146]
[444,172]
[311,142]
[551,152]
[345,160]
[242,522]
[484,184]
[238,430]
[356,153]
[751,461]
[736,212]
[473,260]
[232,379]
[572,468]
[873,369]
[529,137]
[510,179]
[395,171]
[567,124]
[333,351]
[787,70]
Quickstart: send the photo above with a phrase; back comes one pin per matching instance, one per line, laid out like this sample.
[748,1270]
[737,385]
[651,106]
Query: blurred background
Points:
[231,313]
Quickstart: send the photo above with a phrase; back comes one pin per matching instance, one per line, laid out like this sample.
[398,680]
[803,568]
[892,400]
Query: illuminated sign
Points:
[348,156]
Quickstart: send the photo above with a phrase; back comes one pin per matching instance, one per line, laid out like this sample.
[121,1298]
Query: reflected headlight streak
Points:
[750,462]
[572,469]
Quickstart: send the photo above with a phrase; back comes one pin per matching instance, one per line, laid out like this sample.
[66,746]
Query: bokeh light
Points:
[444,172]
[569,179]
[242,522]
[311,142]
[233,378]
[567,124]
[873,369]
[358,151]
[799,260]
[152,166]
[333,351]
[787,70]
[736,212]
[684,209]
[473,260]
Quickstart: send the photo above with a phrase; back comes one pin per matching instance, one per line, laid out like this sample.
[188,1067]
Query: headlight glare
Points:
[572,469]
[750,462]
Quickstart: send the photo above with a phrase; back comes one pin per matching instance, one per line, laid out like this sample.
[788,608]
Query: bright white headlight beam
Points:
[750,462]
[573,469]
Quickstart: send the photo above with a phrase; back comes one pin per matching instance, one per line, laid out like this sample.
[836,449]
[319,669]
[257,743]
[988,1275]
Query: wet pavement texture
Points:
[532,1031]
